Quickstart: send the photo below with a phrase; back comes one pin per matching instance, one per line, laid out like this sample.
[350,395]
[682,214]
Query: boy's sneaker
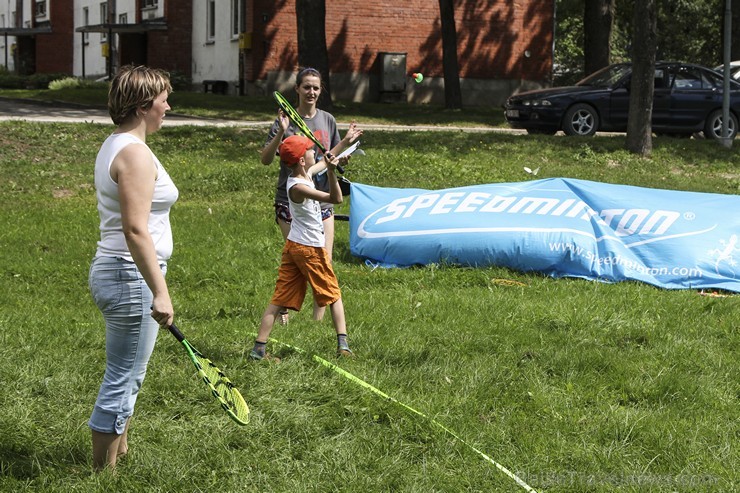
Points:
[345,352]
[255,356]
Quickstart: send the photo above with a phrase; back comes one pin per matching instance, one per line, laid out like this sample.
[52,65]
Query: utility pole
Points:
[111,44]
[726,140]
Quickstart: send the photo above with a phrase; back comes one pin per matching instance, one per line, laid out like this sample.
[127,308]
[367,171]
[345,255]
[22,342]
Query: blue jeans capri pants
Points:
[121,294]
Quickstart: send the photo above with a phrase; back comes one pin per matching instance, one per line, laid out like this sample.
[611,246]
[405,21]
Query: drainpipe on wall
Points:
[111,50]
[554,33]
[82,58]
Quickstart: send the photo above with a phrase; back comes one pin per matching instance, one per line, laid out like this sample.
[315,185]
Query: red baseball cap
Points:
[294,148]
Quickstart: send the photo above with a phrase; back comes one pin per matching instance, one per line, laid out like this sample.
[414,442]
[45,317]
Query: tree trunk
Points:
[735,50]
[312,52]
[644,36]
[598,20]
[453,94]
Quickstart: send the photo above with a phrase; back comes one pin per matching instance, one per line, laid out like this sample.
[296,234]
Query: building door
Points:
[25,55]
[132,48]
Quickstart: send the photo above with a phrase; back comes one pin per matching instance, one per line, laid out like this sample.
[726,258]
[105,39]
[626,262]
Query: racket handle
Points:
[340,168]
[176,332]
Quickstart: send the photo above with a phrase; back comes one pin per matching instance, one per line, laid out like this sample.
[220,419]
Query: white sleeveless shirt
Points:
[112,241]
[306,228]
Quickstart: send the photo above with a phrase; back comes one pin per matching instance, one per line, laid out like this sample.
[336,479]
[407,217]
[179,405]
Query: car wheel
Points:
[539,131]
[580,119]
[713,125]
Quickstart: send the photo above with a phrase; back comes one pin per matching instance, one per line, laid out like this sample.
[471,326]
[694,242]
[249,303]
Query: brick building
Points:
[502,46]
[31,42]
[251,45]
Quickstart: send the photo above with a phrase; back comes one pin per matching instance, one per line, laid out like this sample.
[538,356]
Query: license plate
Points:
[512,113]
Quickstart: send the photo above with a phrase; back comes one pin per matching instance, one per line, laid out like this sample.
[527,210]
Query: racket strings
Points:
[223,390]
[292,113]
[297,119]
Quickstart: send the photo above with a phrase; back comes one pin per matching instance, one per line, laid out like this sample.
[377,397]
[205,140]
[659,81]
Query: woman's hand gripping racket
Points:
[294,117]
[221,387]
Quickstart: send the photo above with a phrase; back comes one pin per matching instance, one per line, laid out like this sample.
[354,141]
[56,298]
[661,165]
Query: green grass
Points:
[575,386]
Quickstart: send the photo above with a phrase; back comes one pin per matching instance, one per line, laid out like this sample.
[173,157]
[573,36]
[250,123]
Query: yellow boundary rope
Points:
[436,423]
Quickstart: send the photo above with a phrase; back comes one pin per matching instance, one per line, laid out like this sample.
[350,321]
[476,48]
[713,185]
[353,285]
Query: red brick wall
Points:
[54,51]
[497,39]
[172,49]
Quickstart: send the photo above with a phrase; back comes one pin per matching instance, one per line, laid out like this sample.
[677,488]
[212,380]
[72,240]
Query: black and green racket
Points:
[221,387]
[294,117]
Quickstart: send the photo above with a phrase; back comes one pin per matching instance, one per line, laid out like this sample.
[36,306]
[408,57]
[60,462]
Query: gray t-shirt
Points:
[324,127]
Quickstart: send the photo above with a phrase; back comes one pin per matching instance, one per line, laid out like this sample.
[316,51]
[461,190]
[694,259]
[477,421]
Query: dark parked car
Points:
[734,69]
[687,99]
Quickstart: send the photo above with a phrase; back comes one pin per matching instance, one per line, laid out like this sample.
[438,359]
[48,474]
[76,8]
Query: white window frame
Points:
[236,19]
[210,21]
[40,8]
[104,20]
[85,22]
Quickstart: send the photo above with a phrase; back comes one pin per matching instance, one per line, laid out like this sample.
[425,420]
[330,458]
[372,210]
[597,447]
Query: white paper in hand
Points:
[349,150]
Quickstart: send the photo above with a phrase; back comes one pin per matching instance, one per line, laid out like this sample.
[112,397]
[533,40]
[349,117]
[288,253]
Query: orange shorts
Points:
[302,265]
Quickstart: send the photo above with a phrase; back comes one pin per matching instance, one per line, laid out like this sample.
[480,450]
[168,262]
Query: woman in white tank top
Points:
[127,275]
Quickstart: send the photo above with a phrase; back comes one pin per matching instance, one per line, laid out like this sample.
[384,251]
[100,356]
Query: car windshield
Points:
[606,77]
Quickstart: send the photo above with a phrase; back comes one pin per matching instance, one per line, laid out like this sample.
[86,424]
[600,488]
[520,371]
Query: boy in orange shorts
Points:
[304,259]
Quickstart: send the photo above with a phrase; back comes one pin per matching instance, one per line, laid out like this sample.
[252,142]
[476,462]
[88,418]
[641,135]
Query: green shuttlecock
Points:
[418,77]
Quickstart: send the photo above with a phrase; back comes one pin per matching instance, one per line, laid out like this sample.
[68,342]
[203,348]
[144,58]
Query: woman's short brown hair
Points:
[135,87]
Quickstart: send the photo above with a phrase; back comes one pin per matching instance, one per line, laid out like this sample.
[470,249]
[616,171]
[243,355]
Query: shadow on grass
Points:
[24,462]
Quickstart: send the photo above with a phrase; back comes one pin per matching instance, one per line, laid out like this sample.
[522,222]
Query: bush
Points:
[92,84]
[66,83]
[180,81]
[11,81]
[55,81]
[41,81]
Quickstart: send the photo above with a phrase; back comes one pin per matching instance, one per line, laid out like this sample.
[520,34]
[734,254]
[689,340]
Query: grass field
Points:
[574,386]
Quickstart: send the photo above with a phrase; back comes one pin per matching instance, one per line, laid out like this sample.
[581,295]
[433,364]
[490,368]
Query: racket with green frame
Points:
[221,387]
[294,117]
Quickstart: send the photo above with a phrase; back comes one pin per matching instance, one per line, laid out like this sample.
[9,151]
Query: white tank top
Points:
[112,241]
[307,228]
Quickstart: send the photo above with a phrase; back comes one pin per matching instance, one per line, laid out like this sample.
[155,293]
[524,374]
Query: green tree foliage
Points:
[688,31]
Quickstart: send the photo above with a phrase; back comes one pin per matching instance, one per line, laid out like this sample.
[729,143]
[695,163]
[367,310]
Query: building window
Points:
[85,22]
[104,20]
[236,19]
[211,20]
[150,4]
[123,19]
[40,8]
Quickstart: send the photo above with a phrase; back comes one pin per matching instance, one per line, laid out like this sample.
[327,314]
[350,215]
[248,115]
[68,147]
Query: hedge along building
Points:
[251,45]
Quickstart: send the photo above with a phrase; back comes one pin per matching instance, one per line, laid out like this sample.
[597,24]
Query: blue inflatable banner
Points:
[560,227]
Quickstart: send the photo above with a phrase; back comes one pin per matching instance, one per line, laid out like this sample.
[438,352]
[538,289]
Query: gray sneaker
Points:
[345,352]
[255,356]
